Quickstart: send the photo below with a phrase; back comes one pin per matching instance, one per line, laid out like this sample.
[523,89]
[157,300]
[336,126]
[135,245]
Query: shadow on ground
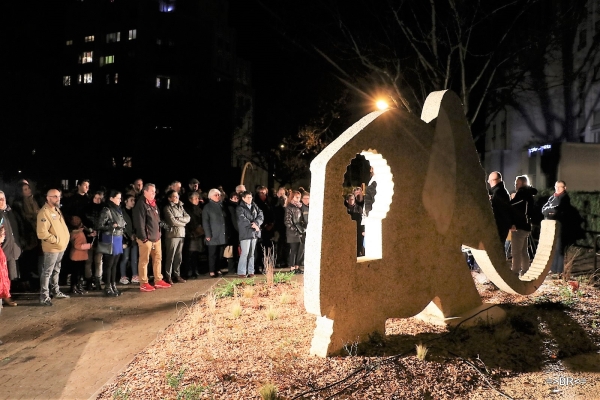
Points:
[532,338]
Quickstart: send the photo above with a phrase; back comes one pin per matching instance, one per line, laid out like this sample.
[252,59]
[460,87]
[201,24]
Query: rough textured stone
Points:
[431,199]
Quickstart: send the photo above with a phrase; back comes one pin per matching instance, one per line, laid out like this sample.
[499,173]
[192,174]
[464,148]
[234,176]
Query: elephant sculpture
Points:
[431,200]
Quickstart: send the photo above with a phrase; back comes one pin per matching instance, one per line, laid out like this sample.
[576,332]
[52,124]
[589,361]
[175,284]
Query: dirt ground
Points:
[70,350]
[248,338]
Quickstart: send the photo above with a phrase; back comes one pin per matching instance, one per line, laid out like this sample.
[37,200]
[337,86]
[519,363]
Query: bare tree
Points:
[559,93]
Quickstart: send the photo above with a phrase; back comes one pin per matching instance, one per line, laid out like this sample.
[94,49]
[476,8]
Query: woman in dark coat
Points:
[295,227]
[111,224]
[249,219]
[234,239]
[215,228]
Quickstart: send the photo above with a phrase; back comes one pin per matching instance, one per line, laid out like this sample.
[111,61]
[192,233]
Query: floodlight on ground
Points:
[382,105]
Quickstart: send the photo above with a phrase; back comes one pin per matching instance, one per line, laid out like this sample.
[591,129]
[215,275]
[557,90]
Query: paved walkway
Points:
[70,350]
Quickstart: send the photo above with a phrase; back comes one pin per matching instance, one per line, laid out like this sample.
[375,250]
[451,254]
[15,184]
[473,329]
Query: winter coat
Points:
[128,232]
[78,240]
[193,229]
[110,215]
[503,214]
[557,206]
[522,207]
[146,221]
[12,244]
[245,217]
[176,218]
[52,229]
[232,224]
[213,222]
[294,224]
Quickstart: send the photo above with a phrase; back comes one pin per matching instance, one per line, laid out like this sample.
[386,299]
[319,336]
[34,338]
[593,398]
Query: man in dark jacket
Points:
[215,229]
[555,209]
[500,205]
[147,224]
[522,207]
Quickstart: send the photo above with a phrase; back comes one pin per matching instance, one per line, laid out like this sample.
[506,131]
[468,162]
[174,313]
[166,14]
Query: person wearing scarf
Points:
[111,225]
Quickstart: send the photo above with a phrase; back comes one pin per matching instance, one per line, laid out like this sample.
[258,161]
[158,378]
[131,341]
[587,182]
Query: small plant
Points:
[421,351]
[269,261]
[228,289]
[284,299]
[211,301]
[248,292]
[121,394]
[191,392]
[272,313]
[569,296]
[174,380]
[283,277]
[351,348]
[268,392]
[236,309]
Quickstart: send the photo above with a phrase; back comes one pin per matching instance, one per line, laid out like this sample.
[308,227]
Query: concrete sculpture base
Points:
[431,200]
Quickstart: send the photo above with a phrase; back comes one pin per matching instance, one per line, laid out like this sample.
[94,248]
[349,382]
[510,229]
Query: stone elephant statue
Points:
[431,199]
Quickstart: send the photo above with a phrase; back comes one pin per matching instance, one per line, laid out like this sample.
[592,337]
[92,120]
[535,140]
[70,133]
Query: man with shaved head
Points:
[53,232]
[500,205]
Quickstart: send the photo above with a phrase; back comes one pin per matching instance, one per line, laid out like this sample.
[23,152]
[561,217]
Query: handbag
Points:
[228,252]
[105,247]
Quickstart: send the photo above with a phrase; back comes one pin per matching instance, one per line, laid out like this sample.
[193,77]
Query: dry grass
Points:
[207,354]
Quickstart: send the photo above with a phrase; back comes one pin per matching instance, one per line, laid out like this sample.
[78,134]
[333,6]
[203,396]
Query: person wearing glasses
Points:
[500,200]
[53,232]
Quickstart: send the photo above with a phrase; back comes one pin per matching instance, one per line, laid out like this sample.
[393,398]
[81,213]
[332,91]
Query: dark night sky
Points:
[288,79]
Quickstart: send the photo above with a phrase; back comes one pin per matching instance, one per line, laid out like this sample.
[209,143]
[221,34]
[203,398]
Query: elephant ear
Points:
[439,190]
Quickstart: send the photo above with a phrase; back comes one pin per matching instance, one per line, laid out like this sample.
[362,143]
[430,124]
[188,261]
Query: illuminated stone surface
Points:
[431,199]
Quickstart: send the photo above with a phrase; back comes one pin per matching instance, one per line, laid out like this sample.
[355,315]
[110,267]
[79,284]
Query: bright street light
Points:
[382,104]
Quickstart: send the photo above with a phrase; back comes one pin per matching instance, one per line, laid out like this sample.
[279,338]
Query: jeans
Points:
[131,252]
[49,275]
[246,263]
[174,254]
[520,256]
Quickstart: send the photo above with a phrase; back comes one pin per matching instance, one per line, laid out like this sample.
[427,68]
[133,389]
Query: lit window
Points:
[166,5]
[132,34]
[86,57]
[69,42]
[79,79]
[163,82]
[89,38]
[158,42]
[116,79]
[107,60]
[113,37]
[87,78]
[66,80]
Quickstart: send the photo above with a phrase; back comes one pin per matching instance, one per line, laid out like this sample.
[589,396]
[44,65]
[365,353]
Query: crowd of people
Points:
[96,239]
[515,212]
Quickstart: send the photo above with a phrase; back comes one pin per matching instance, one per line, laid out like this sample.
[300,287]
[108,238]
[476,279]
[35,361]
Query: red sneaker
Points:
[146,287]
[161,284]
